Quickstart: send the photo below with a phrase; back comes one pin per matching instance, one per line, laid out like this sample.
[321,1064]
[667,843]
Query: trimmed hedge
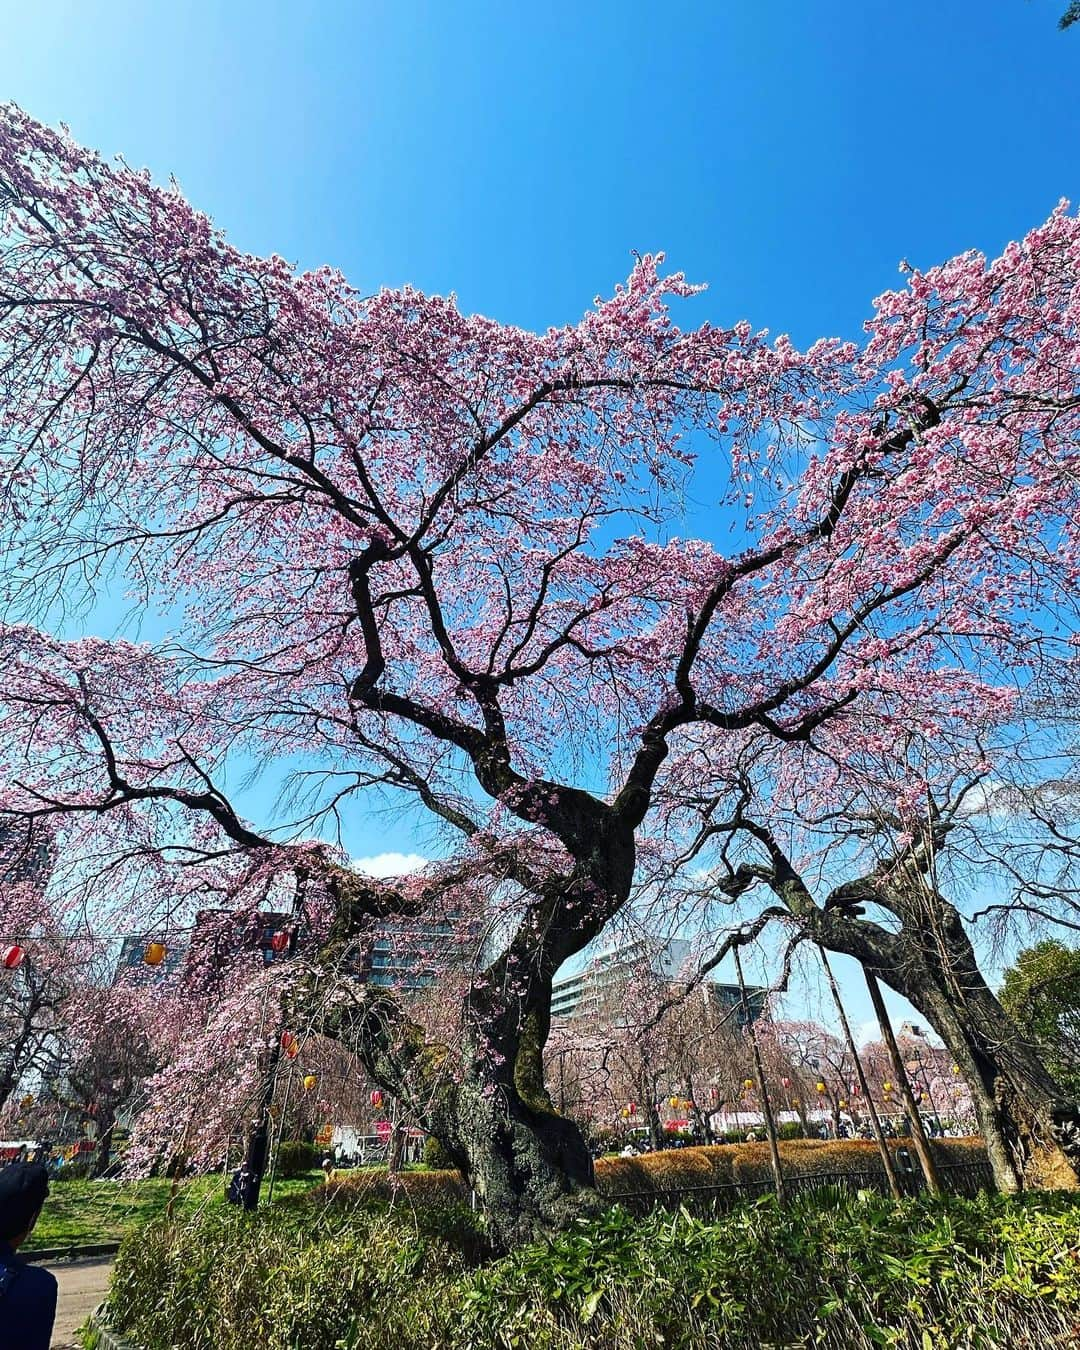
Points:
[670,1170]
[295,1157]
[750,1164]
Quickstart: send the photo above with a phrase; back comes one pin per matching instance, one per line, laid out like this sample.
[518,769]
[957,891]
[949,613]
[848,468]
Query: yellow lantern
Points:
[154,954]
[886,1087]
[820,1087]
[956,1068]
[625,1113]
[842,1106]
[310,1080]
[673,1102]
[795,1101]
[748,1083]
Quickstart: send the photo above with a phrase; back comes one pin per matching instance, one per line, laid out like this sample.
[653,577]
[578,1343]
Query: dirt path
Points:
[82,1287]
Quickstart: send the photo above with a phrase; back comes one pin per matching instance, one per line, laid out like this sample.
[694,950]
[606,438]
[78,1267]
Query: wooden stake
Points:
[759,1072]
[918,1134]
[875,1123]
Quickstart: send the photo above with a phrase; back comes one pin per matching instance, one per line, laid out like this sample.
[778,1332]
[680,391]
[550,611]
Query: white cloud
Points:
[390,864]
[867,1032]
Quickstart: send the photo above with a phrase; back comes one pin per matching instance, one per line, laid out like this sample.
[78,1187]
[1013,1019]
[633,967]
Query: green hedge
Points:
[295,1157]
[835,1271]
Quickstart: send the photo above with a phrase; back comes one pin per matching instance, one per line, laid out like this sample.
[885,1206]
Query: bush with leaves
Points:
[833,1270]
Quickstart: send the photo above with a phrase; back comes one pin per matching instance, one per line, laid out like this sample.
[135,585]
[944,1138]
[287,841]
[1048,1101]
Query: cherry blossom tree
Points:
[405,551]
[35,977]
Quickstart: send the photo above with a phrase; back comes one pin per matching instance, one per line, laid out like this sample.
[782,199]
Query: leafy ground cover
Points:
[82,1212]
[835,1270]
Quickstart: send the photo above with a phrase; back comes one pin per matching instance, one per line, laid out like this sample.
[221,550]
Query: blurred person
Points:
[27,1293]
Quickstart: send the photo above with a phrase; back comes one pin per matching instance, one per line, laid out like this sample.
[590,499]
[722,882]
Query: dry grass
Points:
[670,1170]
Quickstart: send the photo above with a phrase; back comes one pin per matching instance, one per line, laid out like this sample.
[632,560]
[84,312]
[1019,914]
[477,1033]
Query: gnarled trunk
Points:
[1030,1124]
[530,1168]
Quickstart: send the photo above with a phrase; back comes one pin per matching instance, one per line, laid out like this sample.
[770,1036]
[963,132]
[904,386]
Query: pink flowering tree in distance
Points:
[406,550]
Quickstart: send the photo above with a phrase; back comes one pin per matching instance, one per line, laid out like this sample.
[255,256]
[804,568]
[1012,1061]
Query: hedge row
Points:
[750,1164]
[670,1170]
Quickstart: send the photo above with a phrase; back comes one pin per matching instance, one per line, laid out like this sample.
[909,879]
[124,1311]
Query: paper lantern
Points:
[633,1108]
[310,1080]
[842,1105]
[673,1102]
[785,1082]
[886,1087]
[748,1083]
[154,953]
[376,1098]
[820,1087]
[288,1044]
[279,941]
[956,1068]
[625,1113]
[714,1095]
[12,956]
[795,1101]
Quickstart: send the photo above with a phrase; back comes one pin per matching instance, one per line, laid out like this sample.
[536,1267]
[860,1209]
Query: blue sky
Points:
[789,154]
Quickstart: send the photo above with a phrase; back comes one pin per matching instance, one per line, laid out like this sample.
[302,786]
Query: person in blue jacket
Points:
[27,1293]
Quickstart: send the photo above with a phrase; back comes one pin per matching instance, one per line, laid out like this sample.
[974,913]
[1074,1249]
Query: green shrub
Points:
[833,1270]
[435,1156]
[295,1157]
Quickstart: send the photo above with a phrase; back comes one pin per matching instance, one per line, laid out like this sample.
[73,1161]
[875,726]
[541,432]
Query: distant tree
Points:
[32,992]
[1041,993]
[111,1048]
[1071,15]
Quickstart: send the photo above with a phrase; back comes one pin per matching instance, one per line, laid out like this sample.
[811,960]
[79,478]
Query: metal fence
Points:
[706,1201]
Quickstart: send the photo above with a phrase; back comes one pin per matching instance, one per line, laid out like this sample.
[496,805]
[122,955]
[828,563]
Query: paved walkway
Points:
[82,1287]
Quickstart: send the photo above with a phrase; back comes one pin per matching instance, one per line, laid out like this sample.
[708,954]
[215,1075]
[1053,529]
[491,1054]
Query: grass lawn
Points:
[78,1212]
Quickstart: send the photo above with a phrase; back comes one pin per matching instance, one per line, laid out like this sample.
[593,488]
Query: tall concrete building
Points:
[586,993]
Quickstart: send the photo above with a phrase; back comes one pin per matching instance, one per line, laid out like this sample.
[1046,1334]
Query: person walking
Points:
[27,1293]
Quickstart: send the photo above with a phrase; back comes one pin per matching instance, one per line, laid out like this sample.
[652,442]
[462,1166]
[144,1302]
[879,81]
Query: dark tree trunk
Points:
[1028,1121]
[103,1153]
[531,1168]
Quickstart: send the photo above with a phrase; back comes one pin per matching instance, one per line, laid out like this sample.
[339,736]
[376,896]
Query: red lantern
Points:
[279,942]
[376,1098]
[785,1082]
[11,957]
[288,1044]
[633,1108]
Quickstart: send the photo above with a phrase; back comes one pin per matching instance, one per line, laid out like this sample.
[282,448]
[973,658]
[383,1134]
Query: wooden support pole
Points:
[864,1087]
[918,1134]
[763,1089]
